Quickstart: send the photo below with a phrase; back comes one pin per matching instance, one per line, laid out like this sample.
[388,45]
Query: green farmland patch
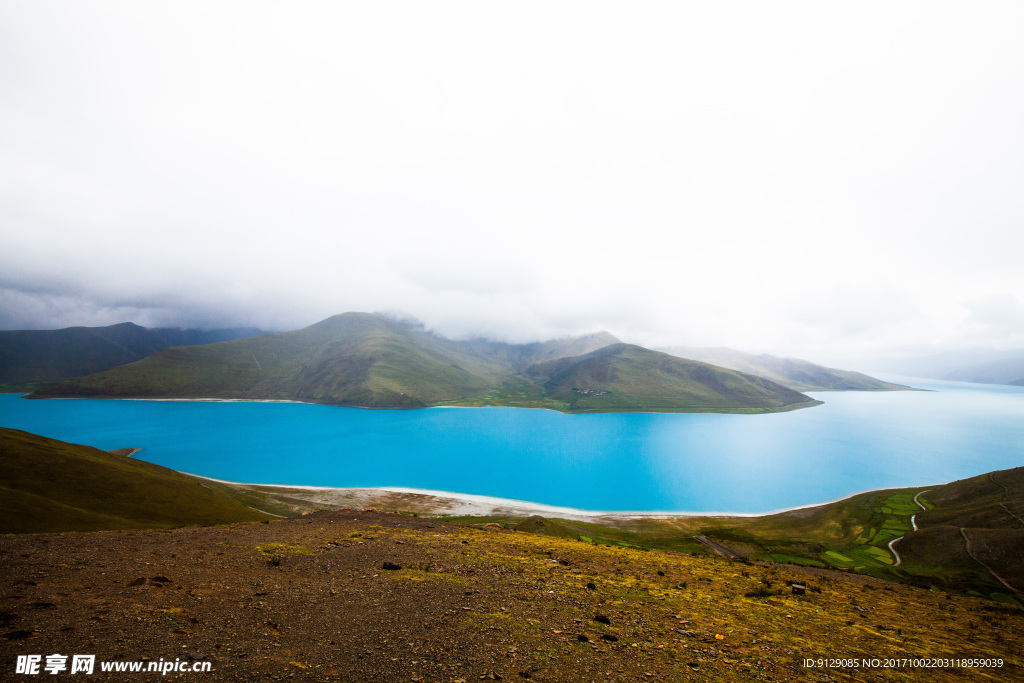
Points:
[833,555]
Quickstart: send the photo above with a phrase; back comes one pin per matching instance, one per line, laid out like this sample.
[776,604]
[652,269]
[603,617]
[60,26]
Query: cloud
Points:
[799,179]
[996,317]
[856,312]
[43,310]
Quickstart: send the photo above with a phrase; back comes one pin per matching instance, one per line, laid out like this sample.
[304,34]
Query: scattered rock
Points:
[18,635]
[196,656]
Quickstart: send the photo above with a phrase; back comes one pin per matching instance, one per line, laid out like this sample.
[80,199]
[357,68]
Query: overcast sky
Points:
[826,180]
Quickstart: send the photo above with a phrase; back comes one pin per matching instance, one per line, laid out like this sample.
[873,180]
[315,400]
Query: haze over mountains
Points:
[800,375]
[369,360]
[1009,371]
[978,366]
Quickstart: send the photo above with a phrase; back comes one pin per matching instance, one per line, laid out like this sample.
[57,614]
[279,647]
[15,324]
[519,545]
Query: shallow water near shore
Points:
[856,441]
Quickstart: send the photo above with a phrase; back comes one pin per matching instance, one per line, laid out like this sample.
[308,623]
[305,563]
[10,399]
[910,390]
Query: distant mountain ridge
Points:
[31,357]
[1007,371]
[984,366]
[794,373]
[368,360]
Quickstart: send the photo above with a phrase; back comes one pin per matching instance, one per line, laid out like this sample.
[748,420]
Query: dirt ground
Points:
[311,599]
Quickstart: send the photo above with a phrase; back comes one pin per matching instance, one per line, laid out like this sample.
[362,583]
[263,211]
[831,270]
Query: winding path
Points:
[895,554]
[913,518]
[913,523]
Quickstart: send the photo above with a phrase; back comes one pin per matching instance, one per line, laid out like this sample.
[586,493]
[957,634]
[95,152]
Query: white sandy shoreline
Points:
[461,504]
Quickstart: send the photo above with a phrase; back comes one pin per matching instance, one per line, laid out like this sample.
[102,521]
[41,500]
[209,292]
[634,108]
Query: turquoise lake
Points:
[856,441]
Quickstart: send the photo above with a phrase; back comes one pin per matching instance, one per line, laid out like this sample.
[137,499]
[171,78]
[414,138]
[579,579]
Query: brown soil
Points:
[309,599]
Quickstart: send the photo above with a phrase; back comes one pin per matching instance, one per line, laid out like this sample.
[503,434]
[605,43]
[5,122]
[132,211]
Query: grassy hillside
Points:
[970,537]
[359,359]
[982,518]
[32,358]
[48,485]
[799,375]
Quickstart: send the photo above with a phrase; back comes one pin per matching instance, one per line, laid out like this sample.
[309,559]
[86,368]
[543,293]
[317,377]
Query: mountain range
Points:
[369,360]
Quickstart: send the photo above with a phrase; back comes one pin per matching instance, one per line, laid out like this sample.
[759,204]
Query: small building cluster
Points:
[591,392]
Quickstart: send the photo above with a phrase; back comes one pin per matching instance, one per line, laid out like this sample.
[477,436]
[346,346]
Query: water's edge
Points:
[488,506]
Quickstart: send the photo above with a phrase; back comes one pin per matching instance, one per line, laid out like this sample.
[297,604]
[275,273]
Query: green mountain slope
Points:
[48,485]
[29,358]
[360,359]
[800,375]
[628,378]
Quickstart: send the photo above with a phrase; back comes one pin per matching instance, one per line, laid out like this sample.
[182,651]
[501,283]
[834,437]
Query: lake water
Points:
[856,441]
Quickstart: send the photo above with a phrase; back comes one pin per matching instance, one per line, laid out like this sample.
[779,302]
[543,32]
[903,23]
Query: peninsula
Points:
[370,360]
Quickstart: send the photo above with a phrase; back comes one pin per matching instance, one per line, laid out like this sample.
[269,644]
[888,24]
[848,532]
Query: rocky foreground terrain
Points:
[357,595]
